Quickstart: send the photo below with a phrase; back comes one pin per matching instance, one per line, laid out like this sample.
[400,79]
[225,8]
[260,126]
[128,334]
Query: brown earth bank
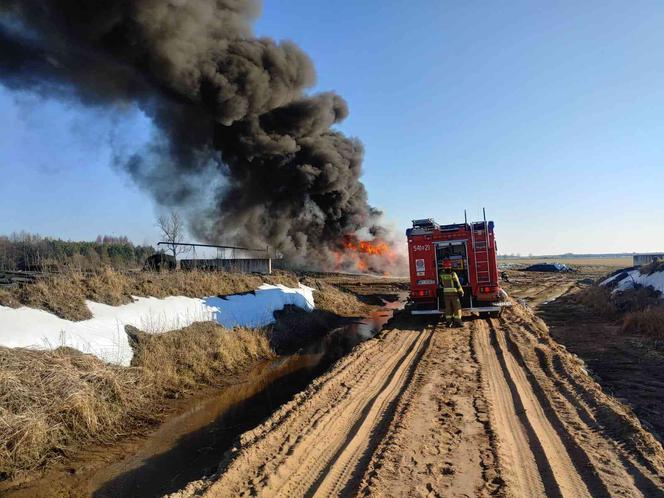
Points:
[606,332]
[495,408]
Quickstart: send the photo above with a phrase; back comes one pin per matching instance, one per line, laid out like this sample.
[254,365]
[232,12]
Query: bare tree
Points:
[172,231]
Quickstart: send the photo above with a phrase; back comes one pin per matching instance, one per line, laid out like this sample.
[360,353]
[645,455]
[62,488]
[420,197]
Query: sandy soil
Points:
[495,408]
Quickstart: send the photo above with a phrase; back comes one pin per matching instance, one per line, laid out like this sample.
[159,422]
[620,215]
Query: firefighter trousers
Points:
[452,307]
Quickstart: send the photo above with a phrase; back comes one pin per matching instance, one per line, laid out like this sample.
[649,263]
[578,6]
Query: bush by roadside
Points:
[649,322]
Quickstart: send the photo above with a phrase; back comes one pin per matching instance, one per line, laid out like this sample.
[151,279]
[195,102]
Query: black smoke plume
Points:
[231,108]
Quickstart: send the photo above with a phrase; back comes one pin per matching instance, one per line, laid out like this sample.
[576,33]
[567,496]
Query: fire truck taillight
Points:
[420,293]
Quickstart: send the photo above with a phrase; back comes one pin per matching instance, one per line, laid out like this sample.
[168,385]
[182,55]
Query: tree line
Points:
[32,252]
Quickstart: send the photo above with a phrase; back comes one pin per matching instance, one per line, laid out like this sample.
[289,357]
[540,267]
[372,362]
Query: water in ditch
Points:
[190,445]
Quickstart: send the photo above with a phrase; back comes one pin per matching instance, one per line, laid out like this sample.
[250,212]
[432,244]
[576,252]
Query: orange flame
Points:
[364,255]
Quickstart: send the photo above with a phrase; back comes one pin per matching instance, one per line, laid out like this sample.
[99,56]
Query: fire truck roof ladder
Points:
[480,240]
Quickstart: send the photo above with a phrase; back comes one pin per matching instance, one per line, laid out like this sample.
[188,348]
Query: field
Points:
[421,410]
[612,262]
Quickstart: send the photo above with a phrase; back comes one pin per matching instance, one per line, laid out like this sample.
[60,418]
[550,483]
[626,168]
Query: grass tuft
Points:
[331,299]
[52,400]
[201,354]
[649,323]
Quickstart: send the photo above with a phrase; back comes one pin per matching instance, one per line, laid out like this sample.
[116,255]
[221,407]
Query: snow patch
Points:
[104,335]
[634,277]
[257,310]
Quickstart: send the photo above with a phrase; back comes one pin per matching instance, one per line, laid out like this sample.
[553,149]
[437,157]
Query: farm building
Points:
[228,258]
[644,259]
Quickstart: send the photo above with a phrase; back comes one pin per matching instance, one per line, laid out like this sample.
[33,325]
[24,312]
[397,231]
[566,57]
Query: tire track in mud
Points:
[496,408]
[440,442]
[523,467]
[606,440]
[569,446]
[350,461]
[312,460]
[564,468]
[321,444]
[577,455]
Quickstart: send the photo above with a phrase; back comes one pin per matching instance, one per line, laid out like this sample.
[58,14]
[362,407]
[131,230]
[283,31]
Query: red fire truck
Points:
[471,247]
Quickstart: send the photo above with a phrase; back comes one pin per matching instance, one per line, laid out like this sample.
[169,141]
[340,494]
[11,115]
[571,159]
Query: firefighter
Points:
[452,292]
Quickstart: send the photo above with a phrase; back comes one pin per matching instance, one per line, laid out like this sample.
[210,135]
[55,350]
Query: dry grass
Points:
[334,300]
[649,322]
[203,353]
[8,299]
[614,262]
[52,402]
[597,298]
[639,311]
[65,294]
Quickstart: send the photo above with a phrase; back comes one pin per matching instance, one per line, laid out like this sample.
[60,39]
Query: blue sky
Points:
[549,114]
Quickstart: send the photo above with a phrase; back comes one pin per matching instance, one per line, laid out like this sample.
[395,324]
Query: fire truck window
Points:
[456,253]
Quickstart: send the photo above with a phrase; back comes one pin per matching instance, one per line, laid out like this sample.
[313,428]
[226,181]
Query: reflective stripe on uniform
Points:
[450,283]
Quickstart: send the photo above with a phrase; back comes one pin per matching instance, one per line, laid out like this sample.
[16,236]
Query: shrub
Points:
[52,400]
[649,322]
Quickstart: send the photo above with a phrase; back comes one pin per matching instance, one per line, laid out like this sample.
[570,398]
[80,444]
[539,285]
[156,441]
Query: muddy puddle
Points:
[189,445]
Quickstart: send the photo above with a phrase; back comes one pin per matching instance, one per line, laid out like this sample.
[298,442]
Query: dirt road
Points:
[495,408]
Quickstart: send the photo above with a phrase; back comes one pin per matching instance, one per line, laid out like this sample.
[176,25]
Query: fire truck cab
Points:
[471,248]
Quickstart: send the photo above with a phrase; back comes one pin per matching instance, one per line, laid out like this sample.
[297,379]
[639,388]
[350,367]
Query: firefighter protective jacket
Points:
[450,283]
